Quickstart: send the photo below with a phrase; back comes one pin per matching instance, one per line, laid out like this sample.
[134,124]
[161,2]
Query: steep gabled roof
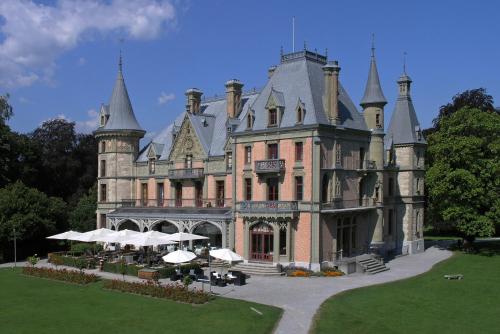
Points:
[121,115]
[404,127]
[373,90]
[300,76]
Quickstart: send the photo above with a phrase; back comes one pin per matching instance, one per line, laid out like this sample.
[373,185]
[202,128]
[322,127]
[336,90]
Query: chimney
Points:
[233,97]
[270,71]
[193,100]
[331,98]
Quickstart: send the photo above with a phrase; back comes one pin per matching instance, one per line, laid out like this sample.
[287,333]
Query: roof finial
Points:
[281,51]
[373,45]
[120,60]
[326,53]
[305,46]
[404,62]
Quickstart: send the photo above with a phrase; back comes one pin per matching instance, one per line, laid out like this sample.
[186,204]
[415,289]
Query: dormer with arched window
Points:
[300,112]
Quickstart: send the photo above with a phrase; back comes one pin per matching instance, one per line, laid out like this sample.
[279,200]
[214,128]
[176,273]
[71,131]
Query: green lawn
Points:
[424,304]
[34,305]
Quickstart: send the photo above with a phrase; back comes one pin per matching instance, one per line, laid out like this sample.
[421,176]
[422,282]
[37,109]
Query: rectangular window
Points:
[102,220]
[282,242]
[377,119]
[390,222]
[299,151]
[103,193]
[152,165]
[103,168]
[219,201]
[338,154]
[248,189]
[273,117]
[198,194]
[160,191]
[229,161]
[103,146]
[178,194]
[391,186]
[144,194]
[299,188]
[188,162]
[272,189]
[272,151]
[248,154]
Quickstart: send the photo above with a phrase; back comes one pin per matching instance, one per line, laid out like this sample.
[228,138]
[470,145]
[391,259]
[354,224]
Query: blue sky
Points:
[66,65]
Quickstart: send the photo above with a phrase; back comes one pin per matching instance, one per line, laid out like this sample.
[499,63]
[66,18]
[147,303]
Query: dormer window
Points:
[250,120]
[273,117]
[377,120]
[300,115]
[152,165]
[229,161]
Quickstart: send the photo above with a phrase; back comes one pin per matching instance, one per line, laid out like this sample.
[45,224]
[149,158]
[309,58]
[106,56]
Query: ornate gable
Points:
[187,143]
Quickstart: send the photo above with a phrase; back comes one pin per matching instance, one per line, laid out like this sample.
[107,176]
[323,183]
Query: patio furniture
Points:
[240,278]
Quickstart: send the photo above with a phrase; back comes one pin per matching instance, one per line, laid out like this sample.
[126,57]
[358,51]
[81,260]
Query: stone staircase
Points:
[370,265]
[258,268]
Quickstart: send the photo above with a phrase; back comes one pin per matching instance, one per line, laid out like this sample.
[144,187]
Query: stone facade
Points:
[293,173]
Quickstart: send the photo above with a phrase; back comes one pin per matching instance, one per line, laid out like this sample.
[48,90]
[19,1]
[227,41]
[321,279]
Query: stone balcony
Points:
[263,209]
[357,204]
[177,202]
[269,166]
[185,173]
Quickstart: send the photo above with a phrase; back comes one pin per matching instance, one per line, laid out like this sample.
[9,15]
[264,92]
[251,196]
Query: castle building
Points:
[292,174]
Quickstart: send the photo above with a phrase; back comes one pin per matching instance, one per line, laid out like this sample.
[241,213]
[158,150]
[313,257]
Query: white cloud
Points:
[89,124]
[164,97]
[34,35]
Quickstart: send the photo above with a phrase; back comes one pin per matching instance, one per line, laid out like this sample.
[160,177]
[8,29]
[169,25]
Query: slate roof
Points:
[121,114]
[300,77]
[210,126]
[404,127]
[373,90]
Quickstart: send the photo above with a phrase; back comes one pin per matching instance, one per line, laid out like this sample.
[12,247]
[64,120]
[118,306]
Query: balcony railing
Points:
[349,204]
[269,166]
[178,202]
[185,173]
[268,206]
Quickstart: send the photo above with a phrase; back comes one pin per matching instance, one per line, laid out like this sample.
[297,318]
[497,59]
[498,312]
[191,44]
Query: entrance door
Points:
[262,243]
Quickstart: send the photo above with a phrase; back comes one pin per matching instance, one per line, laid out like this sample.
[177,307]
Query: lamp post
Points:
[15,247]
[209,271]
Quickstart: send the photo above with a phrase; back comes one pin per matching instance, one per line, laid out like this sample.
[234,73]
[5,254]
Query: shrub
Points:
[333,273]
[70,261]
[65,275]
[187,281]
[299,273]
[169,271]
[118,268]
[33,260]
[85,247]
[176,292]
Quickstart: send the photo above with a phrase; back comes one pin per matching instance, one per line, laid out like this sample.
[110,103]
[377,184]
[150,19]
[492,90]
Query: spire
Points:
[404,127]
[373,91]
[120,109]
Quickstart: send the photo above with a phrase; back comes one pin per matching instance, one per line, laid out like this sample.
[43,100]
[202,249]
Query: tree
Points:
[5,148]
[33,214]
[463,182]
[83,216]
[474,98]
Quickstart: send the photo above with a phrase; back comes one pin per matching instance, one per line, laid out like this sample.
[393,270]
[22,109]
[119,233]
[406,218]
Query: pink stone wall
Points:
[239,236]
[303,238]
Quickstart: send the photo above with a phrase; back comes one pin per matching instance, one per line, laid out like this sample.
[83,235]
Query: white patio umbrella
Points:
[119,236]
[226,254]
[179,256]
[94,235]
[150,238]
[65,235]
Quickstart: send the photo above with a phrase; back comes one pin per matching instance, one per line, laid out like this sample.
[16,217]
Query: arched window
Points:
[300,115]
[128,225]
[103,146]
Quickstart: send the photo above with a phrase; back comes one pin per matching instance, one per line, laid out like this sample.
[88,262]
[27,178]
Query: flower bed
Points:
[64,275]
[304,272]
[175,292]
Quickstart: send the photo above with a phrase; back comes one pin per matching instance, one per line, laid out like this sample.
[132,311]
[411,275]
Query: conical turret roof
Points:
[122,115]
[373,90]
[404,127]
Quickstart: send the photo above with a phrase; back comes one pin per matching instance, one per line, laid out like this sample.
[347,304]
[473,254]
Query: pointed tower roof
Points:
[120,109]
[373,90]
[404,127]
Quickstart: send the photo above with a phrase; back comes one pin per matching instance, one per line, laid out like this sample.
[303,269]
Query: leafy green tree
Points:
[83,216]
[463,182]
[5,133]
[33,214]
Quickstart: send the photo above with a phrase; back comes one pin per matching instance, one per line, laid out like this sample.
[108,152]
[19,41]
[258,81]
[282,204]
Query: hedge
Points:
[77,262]
[115,267]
